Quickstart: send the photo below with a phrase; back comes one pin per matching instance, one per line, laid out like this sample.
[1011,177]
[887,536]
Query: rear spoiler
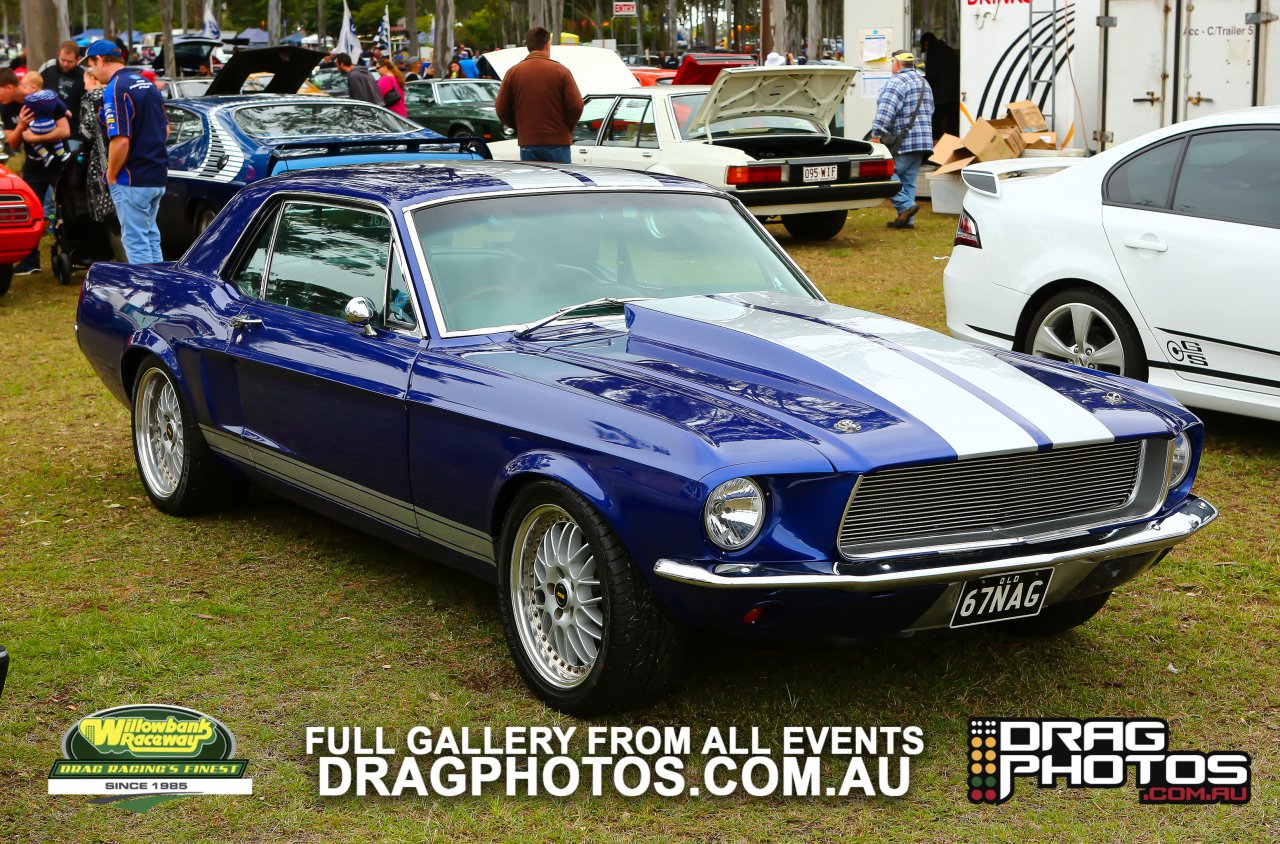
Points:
[986,177]
[373,146]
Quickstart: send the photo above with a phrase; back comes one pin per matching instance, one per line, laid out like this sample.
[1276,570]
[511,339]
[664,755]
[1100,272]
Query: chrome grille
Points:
[991,498]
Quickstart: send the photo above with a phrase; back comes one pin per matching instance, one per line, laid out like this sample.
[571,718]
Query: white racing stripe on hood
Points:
[618,178]
[1062,420]
[967,423]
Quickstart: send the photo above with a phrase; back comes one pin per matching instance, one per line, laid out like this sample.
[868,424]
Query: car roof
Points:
[650,90]
[210,103]
[401,184]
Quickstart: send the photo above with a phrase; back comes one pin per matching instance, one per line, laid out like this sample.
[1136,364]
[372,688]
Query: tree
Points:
[442,49]
[411,28]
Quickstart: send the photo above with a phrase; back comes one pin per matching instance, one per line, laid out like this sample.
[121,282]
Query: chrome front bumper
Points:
[1158,535]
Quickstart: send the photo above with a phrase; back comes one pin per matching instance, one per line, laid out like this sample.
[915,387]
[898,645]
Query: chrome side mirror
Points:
[360,312]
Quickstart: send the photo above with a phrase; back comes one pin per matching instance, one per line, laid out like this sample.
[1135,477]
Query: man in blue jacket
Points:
[904,113]
[137,160]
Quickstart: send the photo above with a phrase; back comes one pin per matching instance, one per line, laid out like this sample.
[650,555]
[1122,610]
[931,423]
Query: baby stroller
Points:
[78,239]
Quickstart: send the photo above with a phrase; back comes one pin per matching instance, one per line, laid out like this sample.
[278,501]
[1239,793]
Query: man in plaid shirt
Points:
[894,109]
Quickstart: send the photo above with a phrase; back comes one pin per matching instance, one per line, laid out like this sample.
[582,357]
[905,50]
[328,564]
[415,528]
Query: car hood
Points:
[865,390]
[703,68]
[290,66]
[595,69]
[812,93]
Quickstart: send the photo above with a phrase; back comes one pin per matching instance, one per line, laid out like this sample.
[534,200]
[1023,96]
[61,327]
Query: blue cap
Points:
[104,48]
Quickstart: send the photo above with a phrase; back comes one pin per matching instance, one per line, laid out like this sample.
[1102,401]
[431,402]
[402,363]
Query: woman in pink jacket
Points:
[391,86]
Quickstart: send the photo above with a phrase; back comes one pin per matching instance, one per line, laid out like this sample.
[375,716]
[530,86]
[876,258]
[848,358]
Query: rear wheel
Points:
[62,267]
[823,225]
[460,132]
[177,468]
[6,278]
[204,219]
[1058,618]
[1085,328]
[584,628]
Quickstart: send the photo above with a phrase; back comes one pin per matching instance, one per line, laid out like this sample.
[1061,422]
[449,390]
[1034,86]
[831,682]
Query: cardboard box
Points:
[1007,127]
[1040,140]
[1027,115]
[988,143]
[951,155]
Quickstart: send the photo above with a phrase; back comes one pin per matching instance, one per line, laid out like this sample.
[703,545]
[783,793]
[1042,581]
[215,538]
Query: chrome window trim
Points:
[437,318]
[279,201]
[1022,538]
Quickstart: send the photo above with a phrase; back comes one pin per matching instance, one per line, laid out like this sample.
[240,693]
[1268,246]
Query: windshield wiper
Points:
[572,309]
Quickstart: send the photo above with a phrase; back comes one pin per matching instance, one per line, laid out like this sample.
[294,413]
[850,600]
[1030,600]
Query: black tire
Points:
[203,218]
[822,225]
[1058,618]
[461,132]
[192,482]
[640,648]
[62,268]
[6,278]
[1116,321]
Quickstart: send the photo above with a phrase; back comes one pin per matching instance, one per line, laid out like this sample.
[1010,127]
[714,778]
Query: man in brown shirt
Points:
[540,100]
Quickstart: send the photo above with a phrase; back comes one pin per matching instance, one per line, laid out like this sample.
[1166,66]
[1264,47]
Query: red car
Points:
[21,224]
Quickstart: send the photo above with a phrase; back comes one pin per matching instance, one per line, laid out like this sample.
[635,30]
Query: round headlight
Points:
[1181,460]
[734,513]
[507,131]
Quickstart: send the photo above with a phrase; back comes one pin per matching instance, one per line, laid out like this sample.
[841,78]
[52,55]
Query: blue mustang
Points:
[614,395]
[218,144]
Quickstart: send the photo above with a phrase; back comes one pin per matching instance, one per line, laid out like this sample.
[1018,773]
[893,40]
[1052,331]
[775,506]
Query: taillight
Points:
[754,174]
[876,168]
[967,232]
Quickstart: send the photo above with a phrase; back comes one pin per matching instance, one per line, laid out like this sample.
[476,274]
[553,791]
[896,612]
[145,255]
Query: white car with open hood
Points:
[759,133]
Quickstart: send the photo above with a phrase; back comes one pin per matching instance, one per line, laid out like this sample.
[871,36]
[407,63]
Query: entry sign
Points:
[624,9]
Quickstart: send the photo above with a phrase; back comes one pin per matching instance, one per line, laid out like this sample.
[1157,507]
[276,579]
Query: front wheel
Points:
[822,225]
[1085,328]
[177,468]
[584,628]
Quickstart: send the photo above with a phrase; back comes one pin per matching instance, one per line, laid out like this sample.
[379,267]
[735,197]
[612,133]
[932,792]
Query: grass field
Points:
[272,619]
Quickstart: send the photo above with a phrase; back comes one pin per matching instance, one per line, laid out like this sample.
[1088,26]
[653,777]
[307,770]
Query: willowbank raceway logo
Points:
[1099,753]
[136,757]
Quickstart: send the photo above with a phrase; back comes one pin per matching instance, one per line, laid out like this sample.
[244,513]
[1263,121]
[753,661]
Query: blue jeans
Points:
[137,209]
[556,155]
[906,166]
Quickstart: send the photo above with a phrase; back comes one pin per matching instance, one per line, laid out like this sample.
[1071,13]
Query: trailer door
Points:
[1216,58]
[1138,38]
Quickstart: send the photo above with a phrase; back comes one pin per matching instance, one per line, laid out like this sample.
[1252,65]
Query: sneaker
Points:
[904,217]
[27,270]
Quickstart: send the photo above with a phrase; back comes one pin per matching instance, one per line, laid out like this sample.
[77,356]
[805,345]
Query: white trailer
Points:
[1103,71]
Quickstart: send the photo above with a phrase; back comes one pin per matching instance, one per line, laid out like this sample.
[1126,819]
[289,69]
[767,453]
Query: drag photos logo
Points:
[1099,753]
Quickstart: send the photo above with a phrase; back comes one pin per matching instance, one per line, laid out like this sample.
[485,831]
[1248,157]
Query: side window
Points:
[399,304]
[594,111]
[1231,176]
[247,277]
[419,95]
[1146,178]
[177,119]
[632,124]
[326,255]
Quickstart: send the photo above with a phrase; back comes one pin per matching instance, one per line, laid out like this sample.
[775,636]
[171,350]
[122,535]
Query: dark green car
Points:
[456,107]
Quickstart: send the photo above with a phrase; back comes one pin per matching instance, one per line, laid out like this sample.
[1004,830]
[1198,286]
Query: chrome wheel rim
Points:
[158,434]
[1080,334]
[556,596]
[204,221]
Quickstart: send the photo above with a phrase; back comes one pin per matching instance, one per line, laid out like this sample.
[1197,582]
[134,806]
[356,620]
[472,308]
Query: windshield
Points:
[686,106]
[510,260]
[302,120]
[467,92]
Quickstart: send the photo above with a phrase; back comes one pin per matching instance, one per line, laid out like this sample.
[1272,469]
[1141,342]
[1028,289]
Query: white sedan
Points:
[1151,260]
[759,133]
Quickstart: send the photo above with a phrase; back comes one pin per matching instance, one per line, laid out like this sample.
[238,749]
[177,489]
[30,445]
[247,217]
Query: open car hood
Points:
[595,69]
[291,67]
[806,91]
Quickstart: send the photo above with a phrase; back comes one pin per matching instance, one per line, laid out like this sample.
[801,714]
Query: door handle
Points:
[582,150]
[647,154]
[237,322]
[1153,245]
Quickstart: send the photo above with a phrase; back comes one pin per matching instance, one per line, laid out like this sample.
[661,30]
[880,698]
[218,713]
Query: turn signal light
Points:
[967,232]
[876,168]
[755,174]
